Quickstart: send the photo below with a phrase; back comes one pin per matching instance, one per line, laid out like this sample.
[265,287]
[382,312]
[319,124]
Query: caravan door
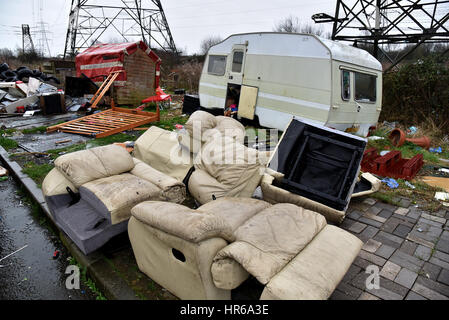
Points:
[237,61]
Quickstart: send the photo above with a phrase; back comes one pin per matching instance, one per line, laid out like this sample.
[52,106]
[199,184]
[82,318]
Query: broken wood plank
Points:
[63,141]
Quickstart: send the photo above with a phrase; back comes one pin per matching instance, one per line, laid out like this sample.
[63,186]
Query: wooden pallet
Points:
[108,122]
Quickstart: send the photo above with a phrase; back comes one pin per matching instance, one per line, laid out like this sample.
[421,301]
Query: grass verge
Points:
[86,280]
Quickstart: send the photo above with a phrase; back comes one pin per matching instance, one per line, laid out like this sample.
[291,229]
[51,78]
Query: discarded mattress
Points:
[90,193]
[206,253]
[316,163]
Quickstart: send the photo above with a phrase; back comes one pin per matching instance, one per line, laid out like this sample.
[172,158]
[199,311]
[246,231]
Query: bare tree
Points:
[292,24]
[209,42]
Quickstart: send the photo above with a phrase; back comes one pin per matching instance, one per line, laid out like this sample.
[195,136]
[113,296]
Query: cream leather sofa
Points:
[213,146]
[225,168]
[90,193]
[205,253]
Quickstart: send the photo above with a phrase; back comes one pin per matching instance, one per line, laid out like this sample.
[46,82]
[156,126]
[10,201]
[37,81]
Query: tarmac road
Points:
[32,273]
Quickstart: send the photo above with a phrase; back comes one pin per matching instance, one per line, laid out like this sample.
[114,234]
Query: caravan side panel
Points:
[292,72]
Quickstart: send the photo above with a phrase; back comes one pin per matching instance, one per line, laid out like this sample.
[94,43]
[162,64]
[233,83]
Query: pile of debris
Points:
[28,98]
[23,74]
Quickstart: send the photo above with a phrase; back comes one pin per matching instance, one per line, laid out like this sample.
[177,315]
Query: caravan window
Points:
[365,87]
[237,61]
[345,85]
[217,65]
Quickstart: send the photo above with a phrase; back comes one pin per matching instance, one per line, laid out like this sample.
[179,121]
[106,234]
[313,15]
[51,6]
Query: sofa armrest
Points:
[317,270]
[55,183]
[171,189]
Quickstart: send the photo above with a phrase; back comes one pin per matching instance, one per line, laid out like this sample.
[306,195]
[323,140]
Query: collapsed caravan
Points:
[275,76]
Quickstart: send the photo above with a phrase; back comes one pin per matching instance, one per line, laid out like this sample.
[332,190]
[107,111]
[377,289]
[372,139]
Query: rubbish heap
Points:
[27,91]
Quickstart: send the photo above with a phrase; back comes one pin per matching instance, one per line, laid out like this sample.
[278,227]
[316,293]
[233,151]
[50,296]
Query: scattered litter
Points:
[373,138]
[391,183]
[384,152]
[436,150]
[443,197]
[445,170]
[408,184]
[3,171]
[3,178]
[13,252]
[56,254]
[389,125]
[30,113]
[419,230]
[412,130]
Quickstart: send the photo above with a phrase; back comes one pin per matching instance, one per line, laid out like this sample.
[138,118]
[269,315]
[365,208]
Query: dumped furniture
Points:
[173,153]
[52,103]
[160,96]
[206,253]
[202,126]
[392,164]
[90,193]
[314,167]
[272,193]
[161,149]
[225,168]
[367,184]
[108,122]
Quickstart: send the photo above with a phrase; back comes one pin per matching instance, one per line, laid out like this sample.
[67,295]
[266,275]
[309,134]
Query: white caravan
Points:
[275,76]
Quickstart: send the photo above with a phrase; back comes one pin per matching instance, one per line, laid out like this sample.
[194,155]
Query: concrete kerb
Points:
[112,286]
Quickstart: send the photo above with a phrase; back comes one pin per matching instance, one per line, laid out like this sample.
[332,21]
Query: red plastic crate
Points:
[392,164]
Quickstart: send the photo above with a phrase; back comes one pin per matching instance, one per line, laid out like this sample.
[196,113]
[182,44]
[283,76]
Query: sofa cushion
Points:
[183,222]
[87,228]
[230,162]
[226,127]
[115,196]
[161,150]
[269,240]
[203,187]
[235,211]
[83,166]
[317,270]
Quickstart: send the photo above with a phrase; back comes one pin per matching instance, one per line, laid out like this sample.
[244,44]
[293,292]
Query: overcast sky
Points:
[190,21]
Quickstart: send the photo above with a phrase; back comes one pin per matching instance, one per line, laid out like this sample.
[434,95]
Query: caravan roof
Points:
[297,44]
